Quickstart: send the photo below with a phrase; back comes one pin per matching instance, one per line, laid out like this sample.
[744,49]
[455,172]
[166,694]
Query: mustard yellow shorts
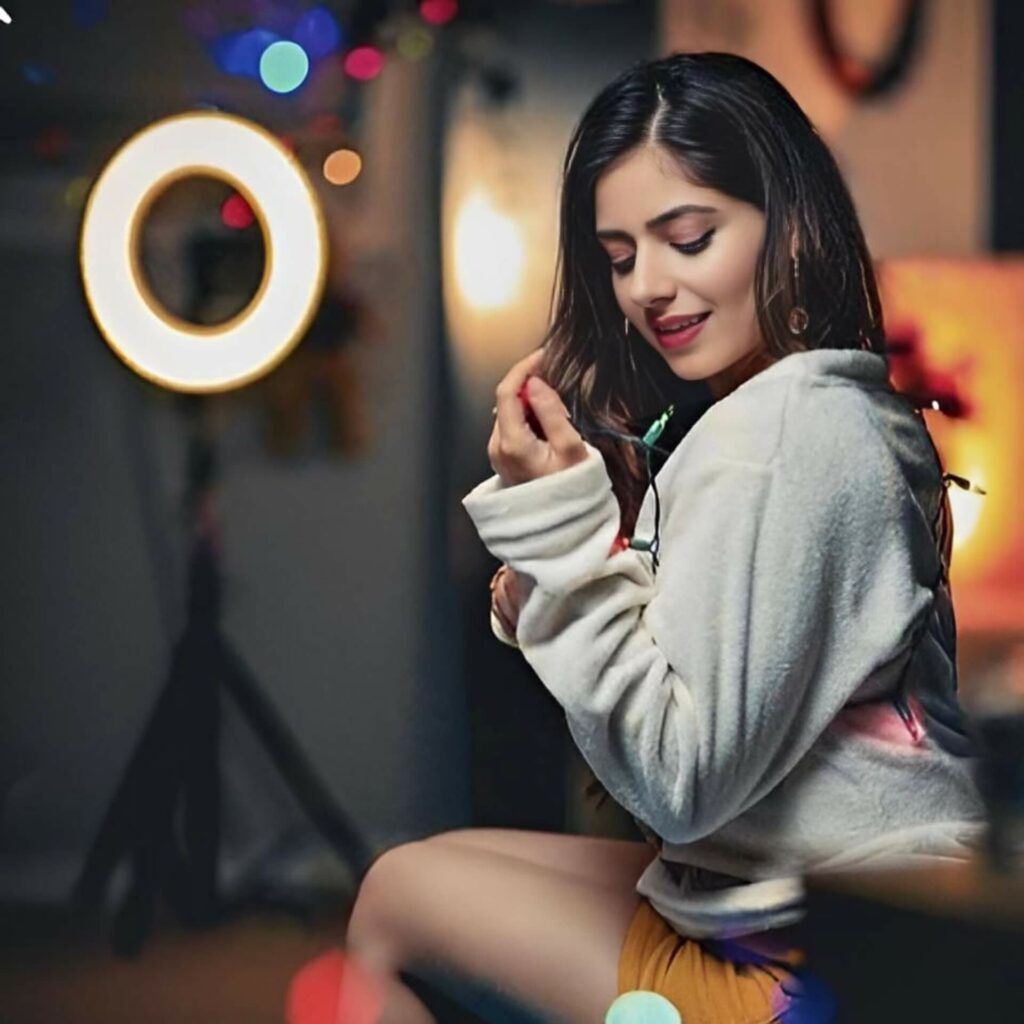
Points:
[705,979]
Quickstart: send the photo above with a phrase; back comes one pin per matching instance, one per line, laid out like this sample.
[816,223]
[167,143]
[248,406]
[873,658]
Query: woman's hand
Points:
[515,452]
[507,597]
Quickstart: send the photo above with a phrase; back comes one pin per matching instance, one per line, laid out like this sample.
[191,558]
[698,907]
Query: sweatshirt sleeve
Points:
[782,585]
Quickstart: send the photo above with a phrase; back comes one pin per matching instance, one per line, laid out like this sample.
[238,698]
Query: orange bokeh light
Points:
[343,166]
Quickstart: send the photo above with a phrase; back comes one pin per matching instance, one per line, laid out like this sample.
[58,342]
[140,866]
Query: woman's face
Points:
[654,278]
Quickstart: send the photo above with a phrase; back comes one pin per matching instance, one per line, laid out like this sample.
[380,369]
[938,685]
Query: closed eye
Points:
[688,248]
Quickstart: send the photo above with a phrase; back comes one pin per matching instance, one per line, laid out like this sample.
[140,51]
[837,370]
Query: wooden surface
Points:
[966,891]
[238,972]
[938,944]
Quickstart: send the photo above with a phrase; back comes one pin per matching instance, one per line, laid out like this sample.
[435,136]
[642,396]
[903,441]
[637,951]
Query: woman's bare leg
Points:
[546,939]
[589,858]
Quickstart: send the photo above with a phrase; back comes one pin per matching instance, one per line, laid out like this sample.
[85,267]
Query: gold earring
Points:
[798,317]
[629,348]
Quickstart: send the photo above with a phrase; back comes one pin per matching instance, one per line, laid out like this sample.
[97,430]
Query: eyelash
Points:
[689,249]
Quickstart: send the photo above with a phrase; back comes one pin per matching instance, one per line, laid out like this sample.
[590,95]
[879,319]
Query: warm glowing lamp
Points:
[489,254]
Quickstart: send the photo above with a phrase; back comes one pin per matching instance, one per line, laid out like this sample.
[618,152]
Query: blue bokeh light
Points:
[317,32]
[239,53]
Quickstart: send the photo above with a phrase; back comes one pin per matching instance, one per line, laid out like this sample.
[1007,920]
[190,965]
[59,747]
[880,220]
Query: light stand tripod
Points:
[175,769]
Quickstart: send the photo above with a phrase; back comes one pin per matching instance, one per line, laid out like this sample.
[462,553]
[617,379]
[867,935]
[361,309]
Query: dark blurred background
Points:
[354,591]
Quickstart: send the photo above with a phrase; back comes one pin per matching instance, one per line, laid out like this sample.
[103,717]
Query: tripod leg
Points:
[201,818]
[134,918]
[285,752]
[150,771]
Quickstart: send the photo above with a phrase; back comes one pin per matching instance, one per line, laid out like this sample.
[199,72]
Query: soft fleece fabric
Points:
[735,703]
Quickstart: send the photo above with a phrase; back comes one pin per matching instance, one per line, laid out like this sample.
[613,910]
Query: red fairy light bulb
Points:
[620,543]
[438,12]
[236,212]
[363,63]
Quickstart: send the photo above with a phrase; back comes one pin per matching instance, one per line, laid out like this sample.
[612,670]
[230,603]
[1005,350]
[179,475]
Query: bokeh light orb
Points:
[239,53]
[318,33]
[166,350]
[342,167]
[363,63]
[642,1007]
[334,988]
[414,43]
[76,192]
[438,12]
[36,74]
[236,213]
[284,66]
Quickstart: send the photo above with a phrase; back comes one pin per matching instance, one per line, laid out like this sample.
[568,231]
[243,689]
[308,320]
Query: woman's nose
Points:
[650,280]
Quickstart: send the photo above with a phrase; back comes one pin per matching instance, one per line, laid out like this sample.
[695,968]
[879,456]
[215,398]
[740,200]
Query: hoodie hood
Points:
[931,670]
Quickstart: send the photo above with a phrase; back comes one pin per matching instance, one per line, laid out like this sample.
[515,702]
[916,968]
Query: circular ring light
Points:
[162,348]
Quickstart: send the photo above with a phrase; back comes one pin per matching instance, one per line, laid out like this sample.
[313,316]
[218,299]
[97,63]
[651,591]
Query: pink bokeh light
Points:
[364,63]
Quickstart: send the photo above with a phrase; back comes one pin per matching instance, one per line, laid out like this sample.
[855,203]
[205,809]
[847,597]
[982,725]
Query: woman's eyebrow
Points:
[676,211]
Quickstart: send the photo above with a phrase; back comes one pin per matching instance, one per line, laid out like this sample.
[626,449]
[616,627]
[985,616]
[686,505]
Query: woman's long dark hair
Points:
[731,127]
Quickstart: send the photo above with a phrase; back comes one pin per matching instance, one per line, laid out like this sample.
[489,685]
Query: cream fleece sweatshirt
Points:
[737,702]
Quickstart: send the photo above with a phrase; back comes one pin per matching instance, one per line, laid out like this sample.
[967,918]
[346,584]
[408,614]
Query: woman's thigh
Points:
[546,939]
[609,862]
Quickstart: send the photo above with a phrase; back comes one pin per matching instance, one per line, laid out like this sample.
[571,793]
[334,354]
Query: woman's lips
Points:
[676,339]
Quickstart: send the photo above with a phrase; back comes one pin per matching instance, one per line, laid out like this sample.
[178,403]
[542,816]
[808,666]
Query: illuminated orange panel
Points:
[969,315]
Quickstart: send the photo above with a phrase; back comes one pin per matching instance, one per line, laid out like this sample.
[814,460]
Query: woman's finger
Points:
[507,620]
[507,615]
[511,421]
[563,437]
[510,594]
[511,585]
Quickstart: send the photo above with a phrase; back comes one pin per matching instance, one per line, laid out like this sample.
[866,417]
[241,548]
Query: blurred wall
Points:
[335,585]
[916,160]
[502,182]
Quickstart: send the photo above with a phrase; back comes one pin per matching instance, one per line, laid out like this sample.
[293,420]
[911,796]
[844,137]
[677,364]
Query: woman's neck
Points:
[727,380]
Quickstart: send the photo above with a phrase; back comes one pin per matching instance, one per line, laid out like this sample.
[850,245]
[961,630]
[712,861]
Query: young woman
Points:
[753,643]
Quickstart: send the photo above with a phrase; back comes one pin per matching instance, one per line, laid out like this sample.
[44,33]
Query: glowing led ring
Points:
[157,345]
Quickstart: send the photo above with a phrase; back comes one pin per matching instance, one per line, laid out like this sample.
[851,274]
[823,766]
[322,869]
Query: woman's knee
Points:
[466,832]
[374,924]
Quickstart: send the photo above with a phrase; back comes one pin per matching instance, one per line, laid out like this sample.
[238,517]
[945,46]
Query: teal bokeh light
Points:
[642,1007]
[284,66]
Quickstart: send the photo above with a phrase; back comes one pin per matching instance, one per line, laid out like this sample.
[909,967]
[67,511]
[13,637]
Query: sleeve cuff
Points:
[499,631]
[559,528]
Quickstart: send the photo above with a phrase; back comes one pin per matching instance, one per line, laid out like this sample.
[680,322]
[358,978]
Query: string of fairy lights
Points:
[303,53]
[285,49]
